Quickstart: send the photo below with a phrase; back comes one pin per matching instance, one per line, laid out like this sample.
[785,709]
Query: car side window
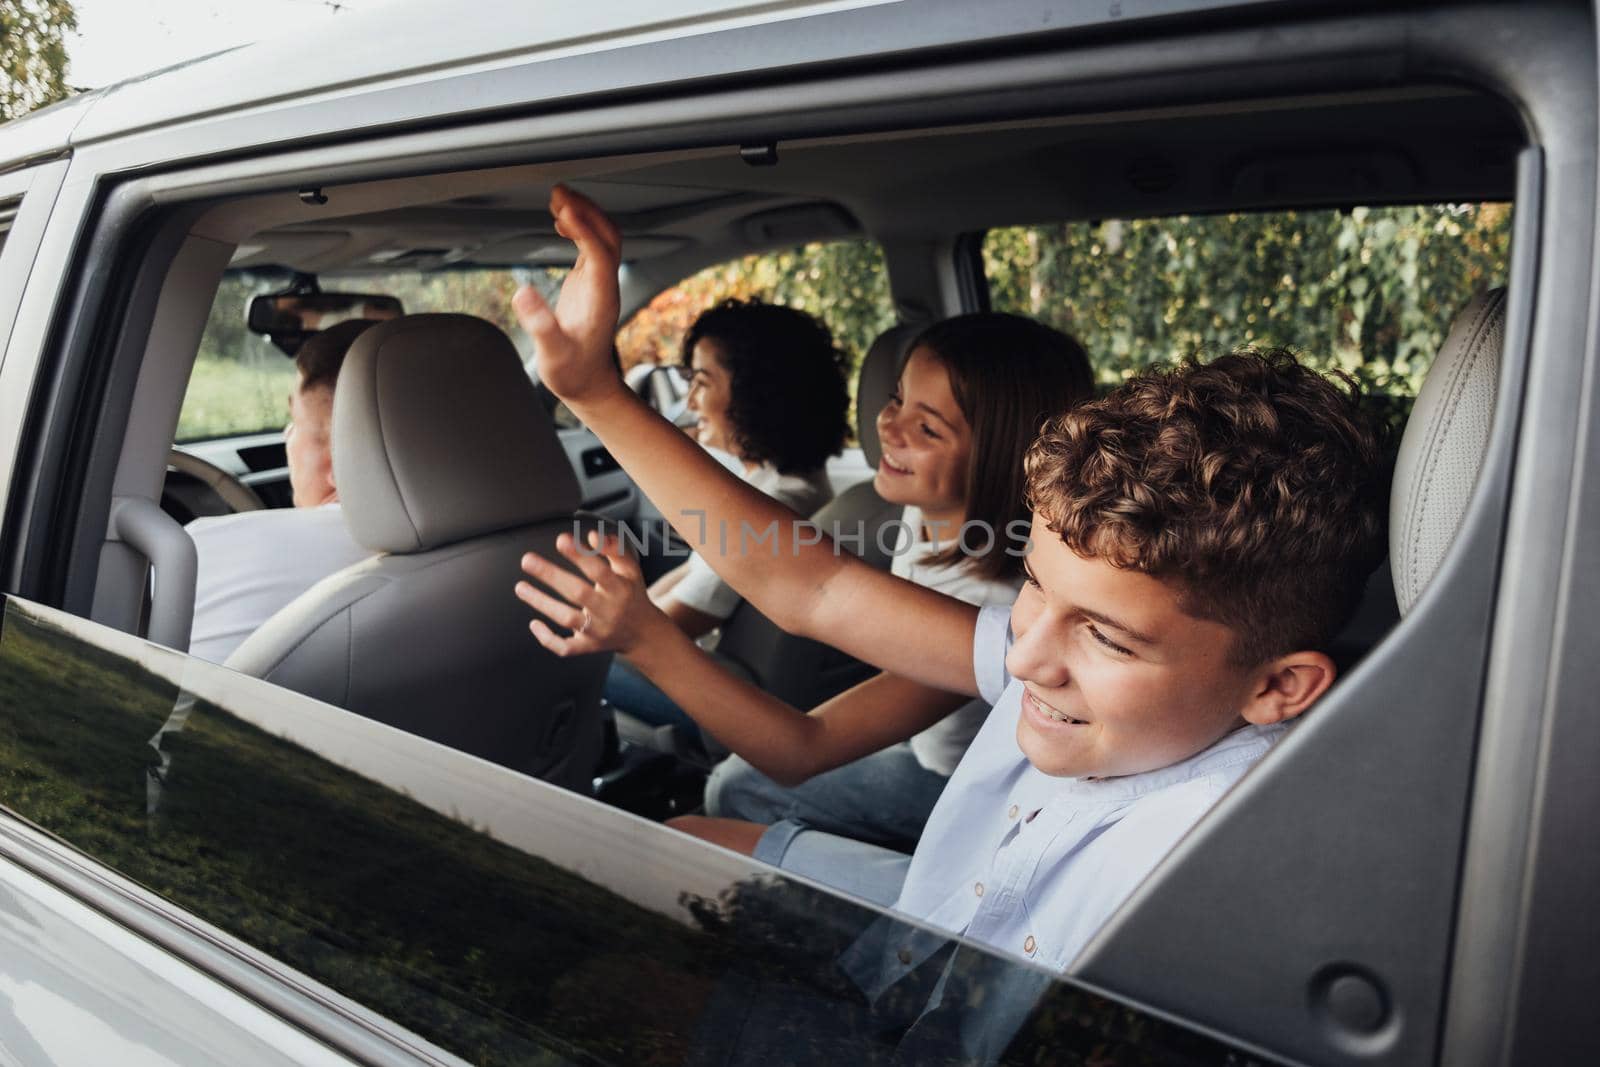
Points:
[1369,291]
[241,380]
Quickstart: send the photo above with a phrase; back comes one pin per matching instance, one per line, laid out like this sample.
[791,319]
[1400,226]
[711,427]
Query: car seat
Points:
[1445,441]
[448,466]
[1436,466]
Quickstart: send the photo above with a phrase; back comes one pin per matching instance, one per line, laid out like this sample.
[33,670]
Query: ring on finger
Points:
[583,625]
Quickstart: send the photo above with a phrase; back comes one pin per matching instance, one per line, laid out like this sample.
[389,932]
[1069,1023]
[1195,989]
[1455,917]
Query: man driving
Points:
[255,562]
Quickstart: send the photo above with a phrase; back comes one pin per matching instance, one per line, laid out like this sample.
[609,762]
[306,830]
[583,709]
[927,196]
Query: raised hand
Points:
[607,609]
[574,340]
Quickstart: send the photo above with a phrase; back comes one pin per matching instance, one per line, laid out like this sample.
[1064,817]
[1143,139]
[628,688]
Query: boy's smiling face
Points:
[1117,678]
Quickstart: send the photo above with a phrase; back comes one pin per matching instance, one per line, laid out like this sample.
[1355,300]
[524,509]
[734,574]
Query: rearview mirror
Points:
[298,314]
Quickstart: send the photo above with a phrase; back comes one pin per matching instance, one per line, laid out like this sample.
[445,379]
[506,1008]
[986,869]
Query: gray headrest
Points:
[438,436]
[880,372]
[1443,446]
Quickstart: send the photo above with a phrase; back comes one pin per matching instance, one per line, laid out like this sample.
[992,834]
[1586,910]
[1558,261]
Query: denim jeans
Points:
[882,799]
[627,689]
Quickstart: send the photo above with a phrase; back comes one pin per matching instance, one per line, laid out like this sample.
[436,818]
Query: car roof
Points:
[407,41]
[703,205]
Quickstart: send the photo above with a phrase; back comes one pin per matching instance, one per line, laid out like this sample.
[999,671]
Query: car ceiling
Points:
[1425,145]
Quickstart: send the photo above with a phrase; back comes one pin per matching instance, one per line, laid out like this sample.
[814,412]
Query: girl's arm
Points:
[611,611]
[808,585]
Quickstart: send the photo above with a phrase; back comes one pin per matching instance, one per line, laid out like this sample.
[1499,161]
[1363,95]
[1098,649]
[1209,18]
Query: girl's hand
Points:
[607,610]
[573,342]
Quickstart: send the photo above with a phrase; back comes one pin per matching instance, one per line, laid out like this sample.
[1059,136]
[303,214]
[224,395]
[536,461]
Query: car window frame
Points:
[35,188]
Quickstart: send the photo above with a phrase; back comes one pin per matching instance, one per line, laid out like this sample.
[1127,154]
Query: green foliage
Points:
[237,396]
[843,283]
[484,293]
[1370,291]
[33,53]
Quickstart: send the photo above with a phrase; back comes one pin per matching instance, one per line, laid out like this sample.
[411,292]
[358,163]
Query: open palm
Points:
[574,340]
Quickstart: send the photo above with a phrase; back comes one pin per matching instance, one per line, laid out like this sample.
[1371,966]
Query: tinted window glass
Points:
[662,951]
[1369,291]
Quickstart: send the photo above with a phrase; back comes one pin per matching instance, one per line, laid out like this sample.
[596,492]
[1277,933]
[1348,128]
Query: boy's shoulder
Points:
[991,640]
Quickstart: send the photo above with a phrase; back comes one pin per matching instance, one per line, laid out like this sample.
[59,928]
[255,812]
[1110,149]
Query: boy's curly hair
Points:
[788,400]
[1254,483]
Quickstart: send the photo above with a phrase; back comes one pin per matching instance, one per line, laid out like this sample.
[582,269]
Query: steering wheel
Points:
[234,494]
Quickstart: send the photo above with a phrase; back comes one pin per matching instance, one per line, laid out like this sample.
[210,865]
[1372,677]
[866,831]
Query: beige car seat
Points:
[449,467]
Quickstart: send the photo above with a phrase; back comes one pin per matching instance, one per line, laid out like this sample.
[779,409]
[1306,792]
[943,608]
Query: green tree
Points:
[33,53]
[1369,291]
[843,283]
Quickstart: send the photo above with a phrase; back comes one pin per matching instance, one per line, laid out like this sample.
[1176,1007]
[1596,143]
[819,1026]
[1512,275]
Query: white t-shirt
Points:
[254,563]
[940,747]
[700,588]
[1030,863]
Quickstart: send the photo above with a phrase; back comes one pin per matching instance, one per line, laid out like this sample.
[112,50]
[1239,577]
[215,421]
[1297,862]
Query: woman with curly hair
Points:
[767,384]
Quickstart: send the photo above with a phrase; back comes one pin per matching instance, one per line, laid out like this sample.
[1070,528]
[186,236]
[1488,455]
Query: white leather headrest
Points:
[1444,444]
[439,436]
[880,373]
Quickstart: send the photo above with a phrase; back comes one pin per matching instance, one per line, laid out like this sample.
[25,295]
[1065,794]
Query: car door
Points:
[393,900]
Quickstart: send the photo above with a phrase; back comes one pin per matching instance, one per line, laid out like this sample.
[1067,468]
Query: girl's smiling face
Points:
[927,444]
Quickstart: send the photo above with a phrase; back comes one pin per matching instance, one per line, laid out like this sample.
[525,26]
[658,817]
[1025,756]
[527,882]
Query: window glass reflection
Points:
[489,950]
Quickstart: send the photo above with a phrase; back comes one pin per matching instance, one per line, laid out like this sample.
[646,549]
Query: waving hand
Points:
[574,339]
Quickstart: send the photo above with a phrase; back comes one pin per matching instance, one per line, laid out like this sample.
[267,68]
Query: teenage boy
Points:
[1198,535]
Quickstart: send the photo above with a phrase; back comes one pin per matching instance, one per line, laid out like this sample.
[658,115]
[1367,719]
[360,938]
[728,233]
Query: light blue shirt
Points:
[1031,864]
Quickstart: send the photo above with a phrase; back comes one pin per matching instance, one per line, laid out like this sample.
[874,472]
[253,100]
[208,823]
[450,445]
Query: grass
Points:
[229,396]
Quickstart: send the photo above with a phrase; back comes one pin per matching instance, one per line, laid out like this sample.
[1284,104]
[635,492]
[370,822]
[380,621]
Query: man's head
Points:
[1200,535]
[308,439]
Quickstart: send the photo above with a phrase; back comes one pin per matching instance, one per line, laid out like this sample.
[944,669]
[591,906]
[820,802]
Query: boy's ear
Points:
[1287,686]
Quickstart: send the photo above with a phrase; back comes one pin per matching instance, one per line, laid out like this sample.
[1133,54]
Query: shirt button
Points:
[1029,944]
[904,956]
[978,889]
[1012,814]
